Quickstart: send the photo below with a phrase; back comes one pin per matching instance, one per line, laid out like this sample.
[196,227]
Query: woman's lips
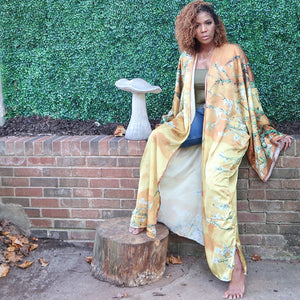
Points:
[205,37]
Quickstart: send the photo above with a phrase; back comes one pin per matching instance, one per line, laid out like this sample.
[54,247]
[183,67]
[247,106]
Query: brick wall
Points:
[68,184]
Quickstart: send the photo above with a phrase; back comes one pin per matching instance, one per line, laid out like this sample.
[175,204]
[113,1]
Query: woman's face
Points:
[205,28]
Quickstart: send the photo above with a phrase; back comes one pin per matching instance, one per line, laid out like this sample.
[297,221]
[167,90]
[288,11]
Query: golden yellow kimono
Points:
[234,123]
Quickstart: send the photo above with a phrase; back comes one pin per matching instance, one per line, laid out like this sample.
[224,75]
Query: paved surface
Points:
[68,277]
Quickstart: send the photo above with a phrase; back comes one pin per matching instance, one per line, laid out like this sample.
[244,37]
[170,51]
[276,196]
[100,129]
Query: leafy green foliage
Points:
[62,58]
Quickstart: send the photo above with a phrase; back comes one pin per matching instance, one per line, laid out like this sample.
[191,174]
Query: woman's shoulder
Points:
[232,48]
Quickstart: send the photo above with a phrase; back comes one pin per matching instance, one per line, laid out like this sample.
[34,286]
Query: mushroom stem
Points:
[139,126]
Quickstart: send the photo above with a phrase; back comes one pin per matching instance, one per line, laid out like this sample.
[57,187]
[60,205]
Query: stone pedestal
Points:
[125,259]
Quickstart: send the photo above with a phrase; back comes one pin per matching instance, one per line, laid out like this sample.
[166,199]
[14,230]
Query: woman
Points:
[213,71]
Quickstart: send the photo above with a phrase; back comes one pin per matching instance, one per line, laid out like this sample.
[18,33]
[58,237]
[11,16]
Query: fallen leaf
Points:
[11,249]
[121,295]
[13,257]
[175,260]
[255,257]
[43,262]
[25,265]
[120,131]
[3,270]
[33,246]
[25,250]
[88,259]
[5,233]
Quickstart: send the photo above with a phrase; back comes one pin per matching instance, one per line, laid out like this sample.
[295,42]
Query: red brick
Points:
[55,213]
[92,224]
[129,161]
[102,161]
[288,173]
[33,212]
[88,193]
[270,184]
[243,205]
[292,206]
[113,146]
[69,224]
[249,239]
[289,229]
[242,184]
[136,172]
[29,146]
[13,181]
[41,223]
[41,161]
[6,172]
[258,228]
[44,202]
[57,192]
[10,145]
[74,202]
[274,240]
[129,183]
[19,146]
[129,204]
[71,161]
[266,205]
[123,148]
[29,192]
[27,172]
[245,217]
[286,217]
[86,172]
[252,173]
[44,181]
[117,173]
[291,184]
[38,145]
[73,182]
[85,213]
[119,193]
[85,145]
[283,195]
[82,235]
[57,172]
[133,148]
[291,162]
[20,201]
[242,194]
[57,145]
[66,147]
[4,191]
[75,146]
[243,173]
[104,183]
[256,194]
[12,161]
[104,203]
[103,145]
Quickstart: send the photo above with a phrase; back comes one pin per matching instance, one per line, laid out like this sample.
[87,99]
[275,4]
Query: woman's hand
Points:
[286,141]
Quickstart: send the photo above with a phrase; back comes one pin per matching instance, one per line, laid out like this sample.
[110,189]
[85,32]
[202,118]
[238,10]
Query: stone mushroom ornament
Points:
[139,126]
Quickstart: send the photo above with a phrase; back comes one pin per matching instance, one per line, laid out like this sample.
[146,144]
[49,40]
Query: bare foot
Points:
[135,230]
[236,286]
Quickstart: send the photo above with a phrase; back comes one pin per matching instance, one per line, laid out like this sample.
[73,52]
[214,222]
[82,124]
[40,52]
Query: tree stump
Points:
[125,259]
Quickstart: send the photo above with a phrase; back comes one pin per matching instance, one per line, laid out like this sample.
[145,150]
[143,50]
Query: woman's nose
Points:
[203,28]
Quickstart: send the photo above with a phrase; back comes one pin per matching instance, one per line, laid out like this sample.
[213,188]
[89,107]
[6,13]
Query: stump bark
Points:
[125,259]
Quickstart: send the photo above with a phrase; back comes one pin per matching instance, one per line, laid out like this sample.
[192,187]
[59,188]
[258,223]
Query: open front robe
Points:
[234,123]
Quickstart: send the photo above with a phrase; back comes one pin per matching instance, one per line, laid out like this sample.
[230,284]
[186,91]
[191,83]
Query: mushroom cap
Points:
[137,85]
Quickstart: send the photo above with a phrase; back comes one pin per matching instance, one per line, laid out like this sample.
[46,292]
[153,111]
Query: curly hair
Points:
[185,27]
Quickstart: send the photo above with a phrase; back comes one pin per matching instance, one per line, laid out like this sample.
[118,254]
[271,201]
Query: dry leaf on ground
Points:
[33,246]
[175,260]
[256,257]
[13,257]
[121,295]
[4,270]
[120,131]
[25,265]
[43,262]
[88,259]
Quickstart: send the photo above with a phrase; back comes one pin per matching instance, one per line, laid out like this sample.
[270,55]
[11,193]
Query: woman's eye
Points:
[208,23]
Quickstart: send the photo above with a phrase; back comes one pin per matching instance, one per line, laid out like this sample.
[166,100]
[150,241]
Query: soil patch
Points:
[37,125]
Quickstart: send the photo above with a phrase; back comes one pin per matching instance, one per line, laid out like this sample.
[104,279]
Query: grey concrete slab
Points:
[68,277]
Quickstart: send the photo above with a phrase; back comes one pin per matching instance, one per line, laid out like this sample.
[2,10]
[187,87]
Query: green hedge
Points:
[62,57]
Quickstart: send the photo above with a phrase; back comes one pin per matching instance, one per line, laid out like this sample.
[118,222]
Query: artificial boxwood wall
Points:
[62,57]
